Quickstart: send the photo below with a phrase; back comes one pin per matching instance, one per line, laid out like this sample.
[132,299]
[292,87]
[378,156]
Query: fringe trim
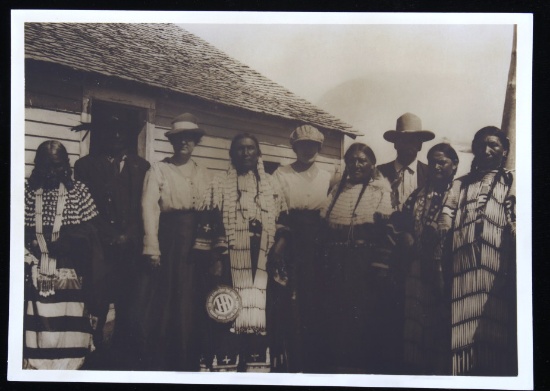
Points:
[223,195]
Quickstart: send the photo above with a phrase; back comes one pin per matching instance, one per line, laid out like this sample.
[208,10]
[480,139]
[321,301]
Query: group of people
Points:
[390,269]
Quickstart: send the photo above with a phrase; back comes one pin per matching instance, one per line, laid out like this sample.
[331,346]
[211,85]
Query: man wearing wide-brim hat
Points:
[406,172]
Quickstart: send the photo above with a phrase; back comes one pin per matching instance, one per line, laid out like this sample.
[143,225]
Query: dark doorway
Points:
[132,118]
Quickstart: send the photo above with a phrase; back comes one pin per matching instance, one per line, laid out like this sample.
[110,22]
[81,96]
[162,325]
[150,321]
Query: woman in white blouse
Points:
[171,193]
[305,186]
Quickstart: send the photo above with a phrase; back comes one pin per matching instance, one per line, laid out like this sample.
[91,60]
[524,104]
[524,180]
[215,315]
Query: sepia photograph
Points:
[271,198]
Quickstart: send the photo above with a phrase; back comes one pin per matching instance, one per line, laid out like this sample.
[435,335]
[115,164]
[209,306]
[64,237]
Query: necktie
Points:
[396,194]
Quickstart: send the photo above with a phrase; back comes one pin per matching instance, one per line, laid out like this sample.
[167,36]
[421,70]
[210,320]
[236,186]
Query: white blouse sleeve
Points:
[150,209]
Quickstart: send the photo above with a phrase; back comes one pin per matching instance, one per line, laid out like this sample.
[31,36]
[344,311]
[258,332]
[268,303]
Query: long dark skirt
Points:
[167,299]
[361,308]
[294,310]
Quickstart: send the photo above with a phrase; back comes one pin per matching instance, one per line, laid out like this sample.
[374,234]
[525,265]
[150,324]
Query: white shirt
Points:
[303,190]
[410,179]
[168,187]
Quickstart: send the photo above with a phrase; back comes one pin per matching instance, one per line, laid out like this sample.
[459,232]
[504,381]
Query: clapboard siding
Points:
[32,143]
[55,131]
[222,125]
[219,148]
[52,117]
[218,122]
[42,125]
[54,99]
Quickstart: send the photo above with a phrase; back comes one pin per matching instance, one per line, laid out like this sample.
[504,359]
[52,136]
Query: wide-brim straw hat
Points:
[306,133]
[185,123]
[409,124]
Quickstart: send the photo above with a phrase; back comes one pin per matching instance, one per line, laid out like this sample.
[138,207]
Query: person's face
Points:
[116,138]
[489,152]
[55,163]
[441,167]
[53,169]
[407,147]
[306,151]
[183,144]
[359,167]
[245,155]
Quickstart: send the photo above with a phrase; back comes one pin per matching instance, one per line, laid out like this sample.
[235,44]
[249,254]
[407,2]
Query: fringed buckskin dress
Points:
[240,221]
[484,336]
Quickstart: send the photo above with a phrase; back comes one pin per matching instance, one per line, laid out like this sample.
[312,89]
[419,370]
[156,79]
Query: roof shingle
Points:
[169,57]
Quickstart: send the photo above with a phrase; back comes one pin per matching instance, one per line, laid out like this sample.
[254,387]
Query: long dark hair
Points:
[448,151]
[369,153]
[480,136]
[237,138]
[42,159]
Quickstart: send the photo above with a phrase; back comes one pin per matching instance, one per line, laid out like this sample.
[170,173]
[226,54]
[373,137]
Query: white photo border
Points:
[524,23]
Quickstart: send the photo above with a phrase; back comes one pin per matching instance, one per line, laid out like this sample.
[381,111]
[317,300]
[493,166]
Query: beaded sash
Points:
[47,267]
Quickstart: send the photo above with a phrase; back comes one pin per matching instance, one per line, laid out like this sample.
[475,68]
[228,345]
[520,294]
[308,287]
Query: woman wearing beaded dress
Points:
[360,294]
[241,226]
[171,192]
[483,259]
[427,297]
[65,274]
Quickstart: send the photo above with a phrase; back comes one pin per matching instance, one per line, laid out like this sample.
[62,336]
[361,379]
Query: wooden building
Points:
[154,72]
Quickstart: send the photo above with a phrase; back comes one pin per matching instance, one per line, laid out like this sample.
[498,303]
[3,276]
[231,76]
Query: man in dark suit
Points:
[406,173]
[115,179]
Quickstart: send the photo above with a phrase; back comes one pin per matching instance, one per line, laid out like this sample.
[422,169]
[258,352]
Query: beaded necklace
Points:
[47,267]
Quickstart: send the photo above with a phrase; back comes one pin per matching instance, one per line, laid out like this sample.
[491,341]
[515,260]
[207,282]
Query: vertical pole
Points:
[509,114]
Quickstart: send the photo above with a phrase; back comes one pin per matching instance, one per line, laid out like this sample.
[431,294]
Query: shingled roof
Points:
[167,56]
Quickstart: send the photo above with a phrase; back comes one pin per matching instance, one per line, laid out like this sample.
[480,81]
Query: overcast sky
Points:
[452,76]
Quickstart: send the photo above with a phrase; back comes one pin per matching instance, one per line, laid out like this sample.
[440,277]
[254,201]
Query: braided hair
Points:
[355,147]
[232,155]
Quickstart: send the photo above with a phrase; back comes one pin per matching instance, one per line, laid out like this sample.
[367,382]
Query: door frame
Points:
[146,136]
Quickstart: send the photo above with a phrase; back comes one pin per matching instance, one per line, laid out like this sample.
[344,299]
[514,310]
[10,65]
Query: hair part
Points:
[42,159]
[361,147]
[239,137]
[234,141]
[369,153]
[446,149]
